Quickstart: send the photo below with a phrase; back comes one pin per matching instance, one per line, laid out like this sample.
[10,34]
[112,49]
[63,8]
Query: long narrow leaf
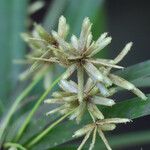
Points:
[12,47]
[136,71]
[117,141]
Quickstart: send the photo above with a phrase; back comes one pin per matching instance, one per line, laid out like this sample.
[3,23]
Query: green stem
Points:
[46,131]
[16,145]
[36,106]
[16,103]
[80,75]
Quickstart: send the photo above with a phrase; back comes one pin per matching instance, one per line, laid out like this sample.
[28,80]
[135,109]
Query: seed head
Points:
[99,126]
[68,100]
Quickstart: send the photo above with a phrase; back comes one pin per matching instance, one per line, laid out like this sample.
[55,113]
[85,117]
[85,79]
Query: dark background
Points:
[129,20]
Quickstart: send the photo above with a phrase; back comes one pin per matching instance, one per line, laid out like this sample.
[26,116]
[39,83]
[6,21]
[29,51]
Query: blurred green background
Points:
[125,21]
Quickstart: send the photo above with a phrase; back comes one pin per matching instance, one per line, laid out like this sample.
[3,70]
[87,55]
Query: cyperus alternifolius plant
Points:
[78,54]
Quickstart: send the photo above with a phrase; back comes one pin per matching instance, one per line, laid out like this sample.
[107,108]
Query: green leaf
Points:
[12,15]
[133,108]
[142,82]
[13,127]
[125,140]
[38,122]
[135,72]
[117,141]
[8,117]
[59,135]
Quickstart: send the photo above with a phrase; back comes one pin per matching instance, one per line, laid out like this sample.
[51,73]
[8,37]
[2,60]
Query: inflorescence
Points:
[78,57]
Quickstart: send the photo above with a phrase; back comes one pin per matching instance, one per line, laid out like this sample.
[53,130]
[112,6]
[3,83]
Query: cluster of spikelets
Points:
[77,55]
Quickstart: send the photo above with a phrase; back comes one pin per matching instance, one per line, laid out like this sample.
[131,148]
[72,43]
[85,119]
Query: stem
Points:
[46,131]
[92,116]
[16,103]
[80,75]
[16,145]
[36,106]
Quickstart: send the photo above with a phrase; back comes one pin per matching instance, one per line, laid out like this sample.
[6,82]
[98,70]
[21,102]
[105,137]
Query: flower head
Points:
[98,126]
[68,100]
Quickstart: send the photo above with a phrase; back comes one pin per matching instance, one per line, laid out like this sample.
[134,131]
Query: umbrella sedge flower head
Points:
[98,127]
[67,99]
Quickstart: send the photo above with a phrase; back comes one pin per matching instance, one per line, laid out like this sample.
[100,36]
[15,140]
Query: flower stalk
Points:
[13,108]
[46,131]
[34,109]
[14,145]
[80,75]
